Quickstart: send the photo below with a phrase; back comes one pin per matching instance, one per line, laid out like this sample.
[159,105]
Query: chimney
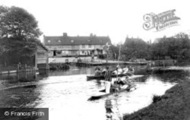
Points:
[91,34]
[64,34]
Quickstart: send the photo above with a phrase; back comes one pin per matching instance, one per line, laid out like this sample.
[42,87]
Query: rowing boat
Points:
[102,93]
[100,77]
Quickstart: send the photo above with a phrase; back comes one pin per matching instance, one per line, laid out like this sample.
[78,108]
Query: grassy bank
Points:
[184,63]
[174,105]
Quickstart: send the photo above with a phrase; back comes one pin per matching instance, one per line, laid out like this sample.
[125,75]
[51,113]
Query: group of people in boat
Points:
[118,83]
[128,70]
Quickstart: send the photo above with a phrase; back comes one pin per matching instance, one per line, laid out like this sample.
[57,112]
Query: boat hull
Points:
[96,97]
[102,77]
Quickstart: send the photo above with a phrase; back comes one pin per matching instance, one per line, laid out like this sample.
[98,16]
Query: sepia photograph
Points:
[94,60]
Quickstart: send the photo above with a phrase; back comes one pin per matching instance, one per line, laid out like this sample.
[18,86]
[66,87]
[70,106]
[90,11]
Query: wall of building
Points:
[41,58]
[69,59]
[75,47]
[76,50]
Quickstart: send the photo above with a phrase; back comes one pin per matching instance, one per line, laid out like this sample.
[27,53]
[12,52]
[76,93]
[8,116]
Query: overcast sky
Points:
[114,18]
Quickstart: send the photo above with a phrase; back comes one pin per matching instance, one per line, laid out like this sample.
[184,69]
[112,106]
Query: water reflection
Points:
[112,110]
[74,71]
[18,97]
[66,94]
[172,76]
[142,96]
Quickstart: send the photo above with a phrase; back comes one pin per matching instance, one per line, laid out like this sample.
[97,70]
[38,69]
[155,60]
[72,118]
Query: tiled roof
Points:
[76,40]
[41,45]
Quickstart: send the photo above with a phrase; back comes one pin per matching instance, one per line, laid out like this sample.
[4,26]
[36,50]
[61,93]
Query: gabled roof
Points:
[76,40]
[42,46]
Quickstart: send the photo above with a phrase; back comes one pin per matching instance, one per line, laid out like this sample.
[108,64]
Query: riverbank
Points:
[174,105]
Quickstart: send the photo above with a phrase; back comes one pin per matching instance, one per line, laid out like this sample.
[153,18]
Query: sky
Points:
[114,18]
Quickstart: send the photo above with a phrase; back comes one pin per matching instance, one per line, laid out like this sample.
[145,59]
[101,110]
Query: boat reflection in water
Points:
[66,96]
[112,111]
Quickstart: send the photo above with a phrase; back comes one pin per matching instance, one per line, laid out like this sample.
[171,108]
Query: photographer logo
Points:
[160,21]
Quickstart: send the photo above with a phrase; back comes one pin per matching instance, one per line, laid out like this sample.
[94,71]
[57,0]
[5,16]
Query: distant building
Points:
[41,57]
[76,46]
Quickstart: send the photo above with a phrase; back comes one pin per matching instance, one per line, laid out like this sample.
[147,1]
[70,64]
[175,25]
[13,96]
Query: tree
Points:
[114,51]
[19,34]
[176,47]
[134,48]
[17,23]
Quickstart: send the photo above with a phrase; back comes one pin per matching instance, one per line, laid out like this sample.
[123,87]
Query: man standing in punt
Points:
[108,79]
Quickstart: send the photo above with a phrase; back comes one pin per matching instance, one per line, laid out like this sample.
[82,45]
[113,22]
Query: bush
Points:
[58,66]
[102,56]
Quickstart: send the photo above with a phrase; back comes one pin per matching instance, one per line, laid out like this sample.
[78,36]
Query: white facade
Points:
[76,50]
[76,46]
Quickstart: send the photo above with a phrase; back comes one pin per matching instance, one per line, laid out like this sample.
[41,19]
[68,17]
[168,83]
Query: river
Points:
[66,94]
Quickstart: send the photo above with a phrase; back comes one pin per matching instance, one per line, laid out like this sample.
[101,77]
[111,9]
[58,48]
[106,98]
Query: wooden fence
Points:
[15,70]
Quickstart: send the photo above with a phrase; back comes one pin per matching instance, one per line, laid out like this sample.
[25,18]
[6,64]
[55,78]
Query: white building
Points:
[69,47]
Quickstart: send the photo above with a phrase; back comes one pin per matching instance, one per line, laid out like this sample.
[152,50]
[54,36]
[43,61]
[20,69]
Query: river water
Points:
[66,94]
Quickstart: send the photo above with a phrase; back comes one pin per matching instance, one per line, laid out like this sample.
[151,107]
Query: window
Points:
[40,54]
[89,46]
[83,46]
[48,41]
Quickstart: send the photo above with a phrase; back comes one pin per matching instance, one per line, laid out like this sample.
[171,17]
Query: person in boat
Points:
[115,71]
[130,84]
[131,70]
[104,71]
[125,70]
[108,79]
[118,70]
[118,84]
[98,72]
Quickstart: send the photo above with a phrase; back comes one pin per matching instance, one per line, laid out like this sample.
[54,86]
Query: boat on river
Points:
[101,77]
[102,94]
[128,86]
